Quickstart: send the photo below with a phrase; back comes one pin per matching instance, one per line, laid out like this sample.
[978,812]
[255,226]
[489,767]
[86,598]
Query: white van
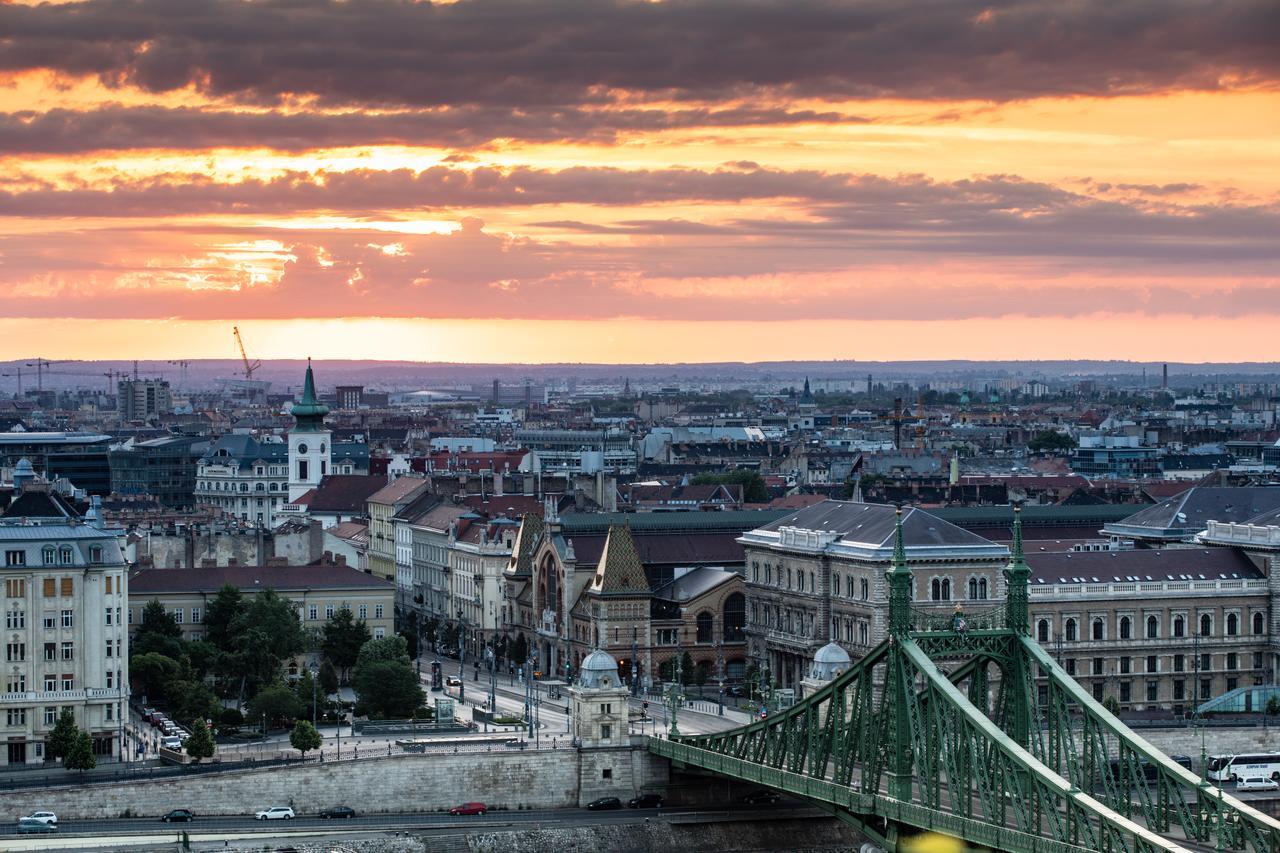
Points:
[1257,783]
[171,742]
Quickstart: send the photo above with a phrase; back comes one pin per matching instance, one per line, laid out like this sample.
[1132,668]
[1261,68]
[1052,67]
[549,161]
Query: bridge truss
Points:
[961,724]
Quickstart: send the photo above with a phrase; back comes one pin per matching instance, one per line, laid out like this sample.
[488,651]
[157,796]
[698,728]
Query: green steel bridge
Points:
[910,739]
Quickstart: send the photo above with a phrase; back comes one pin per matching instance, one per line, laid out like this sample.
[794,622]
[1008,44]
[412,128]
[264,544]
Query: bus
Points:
[1227,768]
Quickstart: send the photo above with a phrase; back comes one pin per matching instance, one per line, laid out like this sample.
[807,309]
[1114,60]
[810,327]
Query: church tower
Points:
[309,440]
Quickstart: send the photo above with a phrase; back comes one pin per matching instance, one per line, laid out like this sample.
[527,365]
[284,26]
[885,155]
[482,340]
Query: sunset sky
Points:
[685,180]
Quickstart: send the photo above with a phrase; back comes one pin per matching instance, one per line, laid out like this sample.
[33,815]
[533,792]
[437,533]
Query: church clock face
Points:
[302,448]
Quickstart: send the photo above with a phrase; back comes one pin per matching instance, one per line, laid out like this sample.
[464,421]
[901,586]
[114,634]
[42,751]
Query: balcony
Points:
[774,637]
[1177,589]
[1229,533]
[51,697]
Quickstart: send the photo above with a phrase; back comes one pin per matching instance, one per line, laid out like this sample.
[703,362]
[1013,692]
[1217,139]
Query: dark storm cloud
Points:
[116,128]
[527,53]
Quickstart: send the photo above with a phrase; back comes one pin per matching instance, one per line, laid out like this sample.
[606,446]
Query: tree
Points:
[153,672]
[386,688]
[304,737]
[200,744]
[391,648]
[306,689]
[342,640]
[411,642]
[63,736]
[687,671]
[80,756]
[520,649]
[1050,441]
[221,614]
[1111,704]
[157,632]
[191,702]
[753,486]
[701,673]
[276,702]
[266,633]
[328,678]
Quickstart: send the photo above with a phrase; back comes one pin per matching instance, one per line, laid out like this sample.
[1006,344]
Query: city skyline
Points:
[680,181]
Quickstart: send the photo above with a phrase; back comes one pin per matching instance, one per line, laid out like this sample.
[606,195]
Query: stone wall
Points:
[1186,740]
[531,779]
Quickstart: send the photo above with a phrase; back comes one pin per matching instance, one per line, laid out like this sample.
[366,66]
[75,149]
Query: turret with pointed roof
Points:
[308,413]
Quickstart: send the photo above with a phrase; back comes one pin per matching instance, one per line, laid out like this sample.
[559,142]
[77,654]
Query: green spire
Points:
[1017,577]
[899,577]
[309,412]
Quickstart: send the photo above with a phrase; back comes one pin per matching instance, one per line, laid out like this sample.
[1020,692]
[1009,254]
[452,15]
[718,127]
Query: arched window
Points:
[65,555]
[1153,628]
[1179,626]
[940,589]
[1259,623]
[95,553]
[1099,628]
[48,555]
[1070,630]
[1042,630]
[322,447]
[1126,628]
[244,487]
[978,589]
[864,589]
[1233,624]
[735,618]
[704,623]
[260,487]
[1206,625]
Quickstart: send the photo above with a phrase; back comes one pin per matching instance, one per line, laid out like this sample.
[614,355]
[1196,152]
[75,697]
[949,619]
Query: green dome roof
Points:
[309,411]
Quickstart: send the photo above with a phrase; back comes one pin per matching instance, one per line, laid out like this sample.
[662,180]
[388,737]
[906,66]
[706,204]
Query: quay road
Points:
[83,834]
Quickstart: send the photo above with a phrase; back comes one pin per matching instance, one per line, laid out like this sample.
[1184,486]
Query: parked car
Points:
[756,798]
[645,801]
[604,803]
[1257,783]
[275,813]
[338,813]
[26,826]
[42,817]
[452,681]
[469,808]
[148,713]
[171,742]
[178,816]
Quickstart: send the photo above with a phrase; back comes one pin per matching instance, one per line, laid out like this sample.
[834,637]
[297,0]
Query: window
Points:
[108,615]
[1206,625]
[312,612]
[1125,691]
[68,651]
[328,611]
[1042,630]
[704,627]
[302,466]
[66,557]
[1070,629]
[17,716]
[1259,623]
[195,615]
[865,587]
[50,683]
[68,681]
[1179,626]
[50,716]
[67,587]
[1153,628]
[50,588]
[379,633]
[606,732]
[1233,624]
[1153,690]
[1179,663]
[1179,689]
[95,556]
[17,683]
[1097,691]
[940,589]
[15,652]
[15,558]
[377,611]
[364,611]
[978,589]
[48,555]
[110,679]
[1071,666]
[1206,661]
[1206,688]
[1099,628]
[1126,628]
[1124,665]
[15,619]
[1153,663]
[68,619]
[15,587]
[1097,666]
[50,651]
[111,645]
[1233,660]
[1257,660]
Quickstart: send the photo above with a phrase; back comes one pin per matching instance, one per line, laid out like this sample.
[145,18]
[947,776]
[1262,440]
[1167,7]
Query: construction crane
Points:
[182,368]
[40,364]
[249,366]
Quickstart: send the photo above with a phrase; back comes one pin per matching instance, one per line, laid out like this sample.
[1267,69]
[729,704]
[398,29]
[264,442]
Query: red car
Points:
[469,808]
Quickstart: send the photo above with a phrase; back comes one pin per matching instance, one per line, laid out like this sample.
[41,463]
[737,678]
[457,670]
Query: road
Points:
[150,830]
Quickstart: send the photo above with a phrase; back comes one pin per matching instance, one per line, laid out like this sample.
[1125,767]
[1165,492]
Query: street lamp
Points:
[462,654]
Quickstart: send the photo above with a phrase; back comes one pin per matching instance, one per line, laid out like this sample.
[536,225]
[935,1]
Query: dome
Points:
[828,662]
[24,466]
[598,669]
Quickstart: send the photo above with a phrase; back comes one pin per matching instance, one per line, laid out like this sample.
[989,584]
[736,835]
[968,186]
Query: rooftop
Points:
[252,578]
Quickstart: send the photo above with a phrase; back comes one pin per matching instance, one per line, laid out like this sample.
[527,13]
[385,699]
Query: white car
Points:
[275,813]
[1257,783]
[42,817]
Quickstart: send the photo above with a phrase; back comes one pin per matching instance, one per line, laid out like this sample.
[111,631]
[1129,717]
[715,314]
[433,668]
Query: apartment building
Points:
[65,591]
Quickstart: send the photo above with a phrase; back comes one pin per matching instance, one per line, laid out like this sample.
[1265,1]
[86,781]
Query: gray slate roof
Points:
[873,525]
[1145,565]
[1186,514]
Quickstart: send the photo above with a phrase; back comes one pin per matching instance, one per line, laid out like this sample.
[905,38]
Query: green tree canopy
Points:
[63,736]
[80,756]
[304,737]
[157,632]
[328,678]
[153,671]
[191,702]
[342,639]
[200,744]
[391,648]
[386,688]
[753,487]
[1050,441]
[266,633]
[276,702]
[221,614]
